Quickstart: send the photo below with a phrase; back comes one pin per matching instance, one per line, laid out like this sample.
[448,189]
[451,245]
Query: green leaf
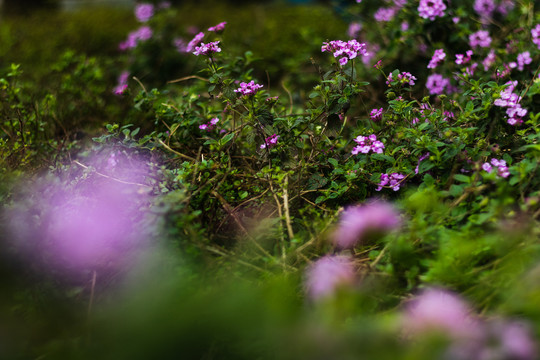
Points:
[462,178]
[334,162]
[227,138]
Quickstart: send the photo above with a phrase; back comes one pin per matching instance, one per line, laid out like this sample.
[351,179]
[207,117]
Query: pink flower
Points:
[207,49]
[219,27]
[438,56]
[393,181]
[144,12]
[376,114]
[358,223]
[480,38]
[367,144]
[329,273]
[248,89]
[345,51]
[436,84]
[430,9]
[440,311]
[194,42]
[270,141]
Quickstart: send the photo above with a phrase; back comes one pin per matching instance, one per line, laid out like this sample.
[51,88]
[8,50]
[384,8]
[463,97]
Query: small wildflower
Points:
[207,49]
[270,141]
[535,33]
[329,273]
[393,181]
[502,168]
[247,89]
[367,144]
[358,223]
[385,14]
[436,84]
[484,8]
[194,42]
[345,51]
[376,114]
[438,56]
[430,9]
[218,28]
[354,29]
[464,59]
[480,38]
[144,12]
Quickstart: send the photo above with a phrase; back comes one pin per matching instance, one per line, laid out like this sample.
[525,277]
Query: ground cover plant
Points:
[370,193]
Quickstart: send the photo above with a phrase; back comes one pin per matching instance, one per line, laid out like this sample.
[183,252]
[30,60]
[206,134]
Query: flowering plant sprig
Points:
[345,51]
[367,144]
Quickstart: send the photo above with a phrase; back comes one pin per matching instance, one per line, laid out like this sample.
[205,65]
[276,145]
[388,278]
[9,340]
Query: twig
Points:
[187,78]
[286,207]
[290,97]
[140,83]
[175,152]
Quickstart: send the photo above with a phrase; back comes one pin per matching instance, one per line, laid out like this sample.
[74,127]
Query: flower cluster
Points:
[523,59]
[358,223]
[207,49]
[218,28]
[142,34]
[326,275]
[430,9]
[484,8]
[464,59]
[502,168]
[209,126]
[480,38]
[345,50]
[247,89]
[270,141]
[510,100]
[535,33]
[367,144]
[121,87]
[438,56]
[354,29]
[393,180]
[403,78]
[437,312]
[436,84]
[194,42]
[376,114]
[144,12]
[385,14]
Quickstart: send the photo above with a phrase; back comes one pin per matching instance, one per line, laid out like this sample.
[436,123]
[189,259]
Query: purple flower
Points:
[180,45]
[489,60]
[345,51]
[354,29]
[393,181]
[209,126]
[329,273]
[513,340]
[523,59]
[141,34]
[402,78]
[385,14]
[502,168]
[535,34]
[464,59]
[144,12]
[430,9]
[436,310]
[367,144]
[121,87]
[376,114]
[207,49]
[422,158]
[218,28]
[484,8]
[438,56]
[194,42]
[436,83]
[358,223]
[247,89]
[270,141]
[480,38]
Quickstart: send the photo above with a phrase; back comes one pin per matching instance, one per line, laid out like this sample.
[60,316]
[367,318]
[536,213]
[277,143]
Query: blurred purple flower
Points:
[144,12]
[326,275]
[437,310]
[357,223]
